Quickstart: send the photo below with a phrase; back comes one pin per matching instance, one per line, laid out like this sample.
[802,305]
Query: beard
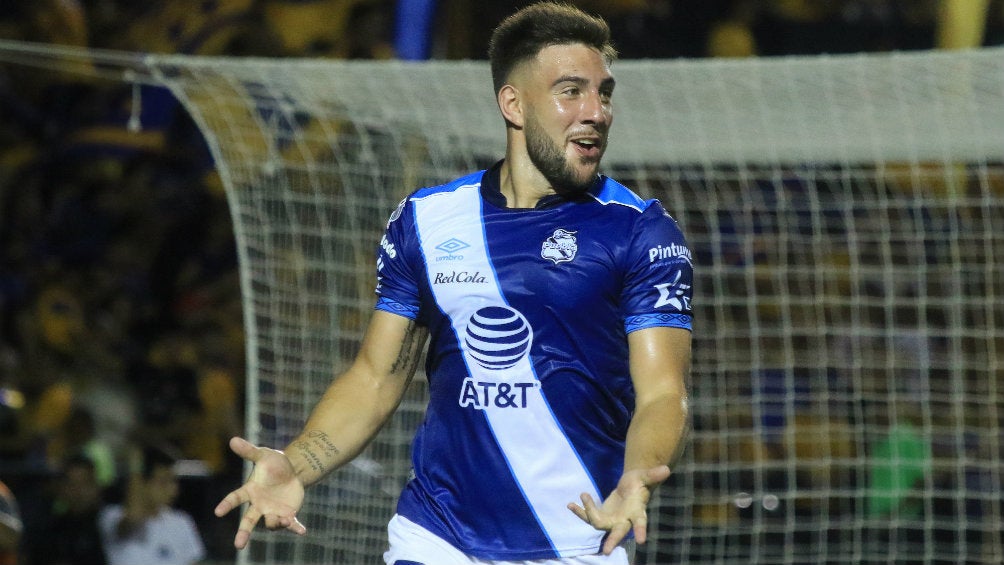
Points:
[550,160]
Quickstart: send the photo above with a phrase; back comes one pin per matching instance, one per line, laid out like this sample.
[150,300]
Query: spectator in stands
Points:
[145,528]
[166,385]
[338,29]
[41,411]
[78,435]
[184,26]
[843,26]
[731,39]
[10,526]
[69,534]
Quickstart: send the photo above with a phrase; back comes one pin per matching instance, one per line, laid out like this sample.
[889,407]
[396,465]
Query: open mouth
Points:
[587,146]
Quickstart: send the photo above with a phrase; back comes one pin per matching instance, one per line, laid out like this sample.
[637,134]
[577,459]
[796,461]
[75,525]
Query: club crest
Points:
[560,246]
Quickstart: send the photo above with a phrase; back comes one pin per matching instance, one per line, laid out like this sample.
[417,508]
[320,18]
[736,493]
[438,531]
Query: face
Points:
[162,487]
[80,489]
[567,114]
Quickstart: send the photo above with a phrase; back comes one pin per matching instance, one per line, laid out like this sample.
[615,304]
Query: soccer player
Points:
[556,307]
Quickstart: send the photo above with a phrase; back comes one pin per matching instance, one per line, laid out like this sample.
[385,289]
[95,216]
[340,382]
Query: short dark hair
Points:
[524,34]
[77,460]
[156,457]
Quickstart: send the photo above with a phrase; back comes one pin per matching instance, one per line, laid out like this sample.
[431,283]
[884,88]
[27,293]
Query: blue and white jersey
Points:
[528,312]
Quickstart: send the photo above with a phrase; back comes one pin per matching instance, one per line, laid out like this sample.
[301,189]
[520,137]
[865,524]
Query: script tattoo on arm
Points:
[411,349]
[317,449]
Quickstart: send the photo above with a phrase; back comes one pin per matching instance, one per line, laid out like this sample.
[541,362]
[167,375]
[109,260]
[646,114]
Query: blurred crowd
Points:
[120,313]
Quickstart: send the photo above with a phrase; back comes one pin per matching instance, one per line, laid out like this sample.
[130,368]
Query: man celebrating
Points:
[556,306]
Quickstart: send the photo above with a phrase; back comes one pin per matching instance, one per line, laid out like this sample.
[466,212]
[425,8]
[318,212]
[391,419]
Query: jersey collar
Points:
[491,190]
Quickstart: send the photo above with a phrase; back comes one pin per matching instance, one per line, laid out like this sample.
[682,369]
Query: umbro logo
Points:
[450,247]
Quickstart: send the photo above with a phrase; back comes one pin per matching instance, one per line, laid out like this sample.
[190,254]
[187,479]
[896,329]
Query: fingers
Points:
[615,536]
[617,531]
[594,515]
[252,516]
[640,529]
[272,521]
[296,527]
[656,475]
[586,511]
[248,522]
[578,511]
[617,527]
[245,449]
[241,539]
[291,523]
[230,501]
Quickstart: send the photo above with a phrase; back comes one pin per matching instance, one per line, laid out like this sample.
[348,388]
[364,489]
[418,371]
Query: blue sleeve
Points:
[660,274]
[397,288]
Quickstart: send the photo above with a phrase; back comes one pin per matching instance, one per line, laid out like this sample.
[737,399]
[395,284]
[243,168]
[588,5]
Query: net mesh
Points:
[846,216]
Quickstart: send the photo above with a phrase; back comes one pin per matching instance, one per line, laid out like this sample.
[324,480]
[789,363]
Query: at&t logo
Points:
[497,338]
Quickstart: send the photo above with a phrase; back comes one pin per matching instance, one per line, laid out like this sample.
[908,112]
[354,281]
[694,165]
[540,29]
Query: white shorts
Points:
[411,544]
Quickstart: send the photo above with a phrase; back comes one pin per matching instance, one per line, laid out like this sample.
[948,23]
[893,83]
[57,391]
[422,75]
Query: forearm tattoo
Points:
[411,349]
[317,449]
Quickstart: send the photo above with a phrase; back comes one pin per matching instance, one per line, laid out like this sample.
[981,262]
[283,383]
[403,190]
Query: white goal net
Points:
[846,216]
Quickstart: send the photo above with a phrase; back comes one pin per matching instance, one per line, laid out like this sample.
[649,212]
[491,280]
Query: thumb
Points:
[656,475]
[245,449]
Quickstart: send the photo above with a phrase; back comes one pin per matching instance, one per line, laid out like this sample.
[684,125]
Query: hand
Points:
[624,509]
[273,491]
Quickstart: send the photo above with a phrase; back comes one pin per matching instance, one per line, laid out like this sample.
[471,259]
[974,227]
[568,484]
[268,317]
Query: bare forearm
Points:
[658,433]
[357,403]
[314,454]
[341,426]
[660,368]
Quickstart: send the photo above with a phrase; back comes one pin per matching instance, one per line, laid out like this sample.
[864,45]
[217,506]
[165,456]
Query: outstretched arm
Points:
[660,366]
[349,414]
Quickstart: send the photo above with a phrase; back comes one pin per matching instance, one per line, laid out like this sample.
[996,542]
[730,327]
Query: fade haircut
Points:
[521,36]
[154,458]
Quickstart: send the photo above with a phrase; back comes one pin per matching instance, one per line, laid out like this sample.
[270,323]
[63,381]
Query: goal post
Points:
[846,217]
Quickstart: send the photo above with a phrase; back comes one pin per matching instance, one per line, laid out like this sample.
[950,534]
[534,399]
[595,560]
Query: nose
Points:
[595,109]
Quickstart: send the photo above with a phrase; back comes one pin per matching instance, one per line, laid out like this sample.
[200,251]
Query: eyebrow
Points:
[608,82]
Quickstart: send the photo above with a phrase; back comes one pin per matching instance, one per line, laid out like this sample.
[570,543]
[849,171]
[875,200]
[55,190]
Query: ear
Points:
[511,105]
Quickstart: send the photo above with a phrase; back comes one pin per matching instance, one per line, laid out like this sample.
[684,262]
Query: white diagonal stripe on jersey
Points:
[549,478]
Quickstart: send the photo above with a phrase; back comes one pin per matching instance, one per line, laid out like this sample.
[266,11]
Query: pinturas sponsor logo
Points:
[669,252]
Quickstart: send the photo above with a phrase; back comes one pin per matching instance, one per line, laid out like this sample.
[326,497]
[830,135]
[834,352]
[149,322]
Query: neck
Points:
[522,184]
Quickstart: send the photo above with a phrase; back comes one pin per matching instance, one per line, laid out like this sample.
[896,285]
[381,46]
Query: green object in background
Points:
[900,461]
